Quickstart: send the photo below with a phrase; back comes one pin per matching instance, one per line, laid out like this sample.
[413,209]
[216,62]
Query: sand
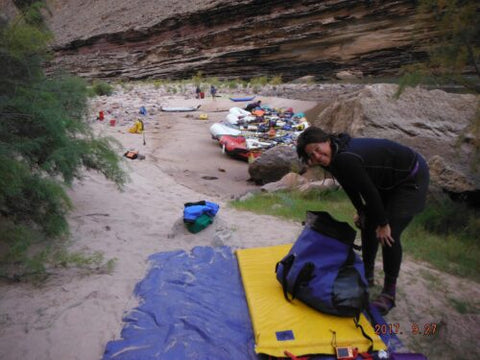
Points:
[76,312]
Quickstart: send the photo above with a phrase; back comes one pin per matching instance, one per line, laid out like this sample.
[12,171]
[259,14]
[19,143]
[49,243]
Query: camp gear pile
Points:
[244,134]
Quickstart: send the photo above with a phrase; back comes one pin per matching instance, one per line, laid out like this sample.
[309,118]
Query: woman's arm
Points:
[351,174]
[359,187]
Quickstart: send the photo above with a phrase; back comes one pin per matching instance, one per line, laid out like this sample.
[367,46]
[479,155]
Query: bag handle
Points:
[287,263]
[324,223]
[350,260]
[201,202]
[304,276]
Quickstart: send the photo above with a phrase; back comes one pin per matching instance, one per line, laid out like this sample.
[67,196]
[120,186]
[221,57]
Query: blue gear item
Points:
[322,270]
[194,210]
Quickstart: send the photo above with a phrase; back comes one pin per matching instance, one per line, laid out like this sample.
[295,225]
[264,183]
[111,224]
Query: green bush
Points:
[444,216]
[101,88]
[197,79]
[259,81]
[45,143]
[276,80]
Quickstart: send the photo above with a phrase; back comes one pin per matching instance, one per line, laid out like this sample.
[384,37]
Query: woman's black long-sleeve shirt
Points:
[368,169]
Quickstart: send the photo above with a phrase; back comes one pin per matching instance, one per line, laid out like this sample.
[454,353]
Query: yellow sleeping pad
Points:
[279,325]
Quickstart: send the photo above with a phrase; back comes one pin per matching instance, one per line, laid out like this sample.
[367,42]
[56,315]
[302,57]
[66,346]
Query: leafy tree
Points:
[45,140]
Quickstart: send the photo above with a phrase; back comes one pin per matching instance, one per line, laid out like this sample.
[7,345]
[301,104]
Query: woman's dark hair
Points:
[316,135]
[310,135]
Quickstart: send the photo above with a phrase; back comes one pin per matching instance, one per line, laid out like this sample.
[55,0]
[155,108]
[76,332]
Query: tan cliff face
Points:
[167,39]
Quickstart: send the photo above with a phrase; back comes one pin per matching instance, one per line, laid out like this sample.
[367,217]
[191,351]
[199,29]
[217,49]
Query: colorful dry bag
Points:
[198,215]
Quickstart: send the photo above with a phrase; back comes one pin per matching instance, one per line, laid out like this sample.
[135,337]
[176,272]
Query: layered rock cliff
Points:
[231,38]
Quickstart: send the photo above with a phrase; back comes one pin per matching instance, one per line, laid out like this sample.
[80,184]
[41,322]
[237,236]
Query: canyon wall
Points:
[229,39]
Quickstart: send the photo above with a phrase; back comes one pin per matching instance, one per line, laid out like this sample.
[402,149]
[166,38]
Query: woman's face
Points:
[319,153]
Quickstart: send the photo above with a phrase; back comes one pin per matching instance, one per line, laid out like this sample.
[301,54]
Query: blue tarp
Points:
[192,306]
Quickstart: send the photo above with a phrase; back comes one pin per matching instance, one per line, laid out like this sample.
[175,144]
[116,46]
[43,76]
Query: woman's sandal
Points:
[384,303]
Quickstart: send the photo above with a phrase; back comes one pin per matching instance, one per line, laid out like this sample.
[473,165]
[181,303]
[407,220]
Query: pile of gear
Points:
[198,215]
[246,134]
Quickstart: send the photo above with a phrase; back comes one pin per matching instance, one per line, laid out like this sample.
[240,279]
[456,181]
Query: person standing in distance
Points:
[213,91]
[387,184]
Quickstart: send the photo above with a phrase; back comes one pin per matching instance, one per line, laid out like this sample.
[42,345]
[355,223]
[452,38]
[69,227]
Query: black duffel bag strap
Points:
[287,263]
[350,258]
[324,223]
[201,202]
[304,276]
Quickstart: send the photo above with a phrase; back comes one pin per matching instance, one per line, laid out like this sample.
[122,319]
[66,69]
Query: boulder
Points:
[447,178]
[274,164]
[302,183]
[435,123]
[325,184]
[290,181]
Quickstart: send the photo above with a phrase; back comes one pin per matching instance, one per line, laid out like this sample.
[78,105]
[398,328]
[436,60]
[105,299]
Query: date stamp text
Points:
[425,329]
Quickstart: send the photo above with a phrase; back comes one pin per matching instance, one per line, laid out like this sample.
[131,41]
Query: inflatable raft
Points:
[242,148]
[179,108]
[239,99]
[219,129]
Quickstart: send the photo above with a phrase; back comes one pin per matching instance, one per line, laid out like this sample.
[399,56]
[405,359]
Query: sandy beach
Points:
[76,312]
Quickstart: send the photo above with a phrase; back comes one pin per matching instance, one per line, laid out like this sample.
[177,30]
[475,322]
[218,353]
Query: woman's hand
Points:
[384,235]
[359,221]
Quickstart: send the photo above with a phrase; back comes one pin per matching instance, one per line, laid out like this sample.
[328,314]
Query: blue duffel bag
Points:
[193,210]
[323,270]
